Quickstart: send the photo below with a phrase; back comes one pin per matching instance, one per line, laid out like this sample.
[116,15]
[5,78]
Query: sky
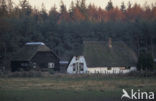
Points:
[99,3]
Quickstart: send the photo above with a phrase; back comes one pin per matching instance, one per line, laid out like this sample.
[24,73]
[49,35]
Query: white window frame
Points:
[51,65]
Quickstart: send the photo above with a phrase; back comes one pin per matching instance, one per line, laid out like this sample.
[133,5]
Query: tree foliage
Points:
[145,62]
[64,31]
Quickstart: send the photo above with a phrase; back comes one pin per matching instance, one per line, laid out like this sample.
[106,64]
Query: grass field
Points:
[69,88]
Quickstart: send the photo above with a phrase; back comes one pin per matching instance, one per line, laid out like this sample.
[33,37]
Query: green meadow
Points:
[71,88]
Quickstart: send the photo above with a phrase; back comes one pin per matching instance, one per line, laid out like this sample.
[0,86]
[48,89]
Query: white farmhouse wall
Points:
[81,59]
[113,70]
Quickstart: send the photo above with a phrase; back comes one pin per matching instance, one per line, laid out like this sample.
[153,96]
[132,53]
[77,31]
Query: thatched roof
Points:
[101,54]
[28,51]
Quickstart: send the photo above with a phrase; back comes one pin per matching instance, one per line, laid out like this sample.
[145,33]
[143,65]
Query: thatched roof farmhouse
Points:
[104,57]
[35,55]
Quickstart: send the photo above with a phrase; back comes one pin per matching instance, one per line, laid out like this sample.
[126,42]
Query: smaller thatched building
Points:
[36,56]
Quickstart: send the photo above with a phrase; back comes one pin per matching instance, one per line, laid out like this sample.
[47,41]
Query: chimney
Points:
[110,43]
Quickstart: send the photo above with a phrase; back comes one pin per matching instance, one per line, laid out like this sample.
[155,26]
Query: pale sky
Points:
[99,3]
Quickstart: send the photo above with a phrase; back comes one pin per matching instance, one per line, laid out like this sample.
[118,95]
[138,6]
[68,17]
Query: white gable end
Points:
[77,65]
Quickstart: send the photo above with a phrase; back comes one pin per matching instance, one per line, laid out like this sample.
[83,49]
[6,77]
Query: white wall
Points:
[81,59]
[113,70]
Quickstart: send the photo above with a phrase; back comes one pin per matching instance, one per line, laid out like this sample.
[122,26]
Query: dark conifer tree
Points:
[123,7]
[109,6]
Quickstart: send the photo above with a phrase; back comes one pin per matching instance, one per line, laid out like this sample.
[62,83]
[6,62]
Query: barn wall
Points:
[20,65]
[43,58]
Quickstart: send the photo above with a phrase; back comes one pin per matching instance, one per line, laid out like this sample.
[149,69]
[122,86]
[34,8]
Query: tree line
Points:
[64,31]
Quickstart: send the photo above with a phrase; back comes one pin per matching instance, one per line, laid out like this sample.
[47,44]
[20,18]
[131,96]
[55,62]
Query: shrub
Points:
[145,62]
[51,71]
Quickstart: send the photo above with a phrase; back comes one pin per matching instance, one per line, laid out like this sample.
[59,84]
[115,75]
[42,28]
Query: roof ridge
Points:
[103,41]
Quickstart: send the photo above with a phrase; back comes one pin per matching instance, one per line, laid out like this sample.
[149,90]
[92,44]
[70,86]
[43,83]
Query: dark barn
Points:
[35,56]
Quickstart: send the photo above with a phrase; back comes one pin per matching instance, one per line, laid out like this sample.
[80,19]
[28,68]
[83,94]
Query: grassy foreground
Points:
[69,88]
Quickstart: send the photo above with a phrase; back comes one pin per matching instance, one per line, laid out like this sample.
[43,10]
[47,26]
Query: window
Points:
[74,67]
[122,68]
[77,58]
[109,68]
[34,65]
[24,64]
[51,65]
[81,65]
[128,67]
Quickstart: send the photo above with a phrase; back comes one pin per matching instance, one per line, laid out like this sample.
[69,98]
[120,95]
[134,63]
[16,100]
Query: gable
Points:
[75,64]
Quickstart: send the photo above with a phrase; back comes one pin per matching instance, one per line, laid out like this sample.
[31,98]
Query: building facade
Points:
[35,56]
